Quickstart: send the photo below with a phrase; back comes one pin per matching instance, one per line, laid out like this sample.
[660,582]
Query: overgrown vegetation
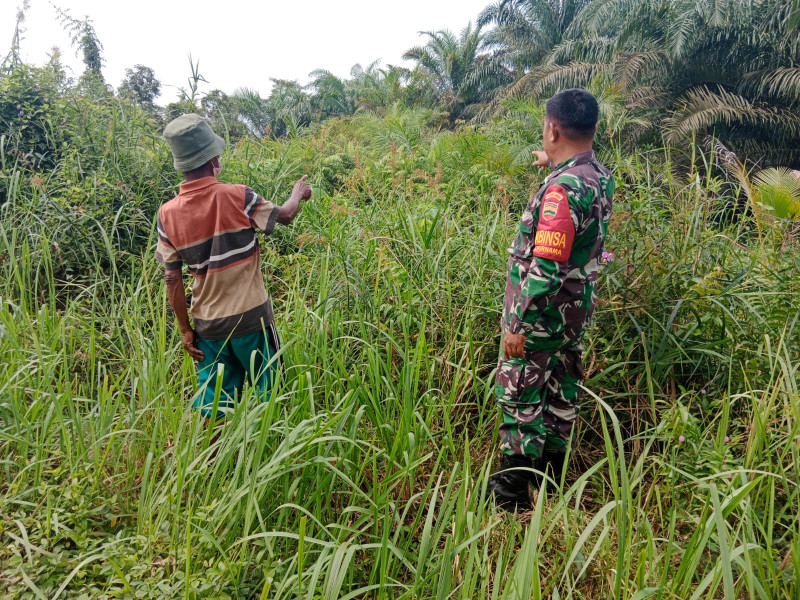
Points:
[362,477]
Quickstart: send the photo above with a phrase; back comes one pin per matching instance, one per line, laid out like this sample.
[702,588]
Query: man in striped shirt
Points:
[210,227]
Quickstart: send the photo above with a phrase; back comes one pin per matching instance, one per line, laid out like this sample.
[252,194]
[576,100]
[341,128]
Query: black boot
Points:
[508,488]
[551,463]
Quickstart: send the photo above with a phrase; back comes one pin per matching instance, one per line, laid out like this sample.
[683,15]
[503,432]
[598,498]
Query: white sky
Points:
[238,44]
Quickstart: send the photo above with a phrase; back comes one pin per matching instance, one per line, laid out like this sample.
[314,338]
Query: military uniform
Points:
[550,295]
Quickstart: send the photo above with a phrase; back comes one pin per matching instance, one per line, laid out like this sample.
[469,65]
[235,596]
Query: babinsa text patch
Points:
[555,231]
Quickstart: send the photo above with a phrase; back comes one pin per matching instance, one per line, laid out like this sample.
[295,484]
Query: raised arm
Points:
[542,160]
[290,208]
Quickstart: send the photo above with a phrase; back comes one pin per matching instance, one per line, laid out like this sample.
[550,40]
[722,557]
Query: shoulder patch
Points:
[555,231]
[551,201]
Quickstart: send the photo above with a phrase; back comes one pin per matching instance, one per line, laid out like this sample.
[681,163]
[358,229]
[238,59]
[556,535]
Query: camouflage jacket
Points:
[555,258]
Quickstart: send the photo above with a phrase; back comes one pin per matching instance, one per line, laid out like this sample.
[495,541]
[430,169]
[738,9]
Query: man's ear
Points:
[554,133]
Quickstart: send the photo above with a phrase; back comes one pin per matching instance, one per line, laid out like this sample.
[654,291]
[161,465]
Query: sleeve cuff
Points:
[273,218]
[517,325]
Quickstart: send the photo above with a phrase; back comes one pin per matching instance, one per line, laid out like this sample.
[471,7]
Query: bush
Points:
[28,122]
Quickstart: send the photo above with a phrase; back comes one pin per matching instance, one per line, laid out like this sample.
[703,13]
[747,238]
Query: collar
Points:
[579,159]
[197,184]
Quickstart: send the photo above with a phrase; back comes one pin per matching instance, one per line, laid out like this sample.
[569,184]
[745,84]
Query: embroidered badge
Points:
[549,210]
[556,194]
[555,231]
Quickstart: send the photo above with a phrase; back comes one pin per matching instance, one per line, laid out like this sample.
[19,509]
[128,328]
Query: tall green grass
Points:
[362,476]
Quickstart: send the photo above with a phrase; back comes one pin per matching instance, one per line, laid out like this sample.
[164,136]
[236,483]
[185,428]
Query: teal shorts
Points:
[233,360]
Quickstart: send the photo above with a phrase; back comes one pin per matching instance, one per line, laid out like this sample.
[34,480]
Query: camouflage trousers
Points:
[538,399]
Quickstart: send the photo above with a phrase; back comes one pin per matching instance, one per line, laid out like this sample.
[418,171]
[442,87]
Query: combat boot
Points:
[555,461]
[508,488]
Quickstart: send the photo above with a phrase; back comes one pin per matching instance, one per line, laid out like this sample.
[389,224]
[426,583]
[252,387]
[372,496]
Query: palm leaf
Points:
[779,189]
[644,96]
[601,16]
[594,49]
[700,108]
[557,77]
[629,66]
[783,82]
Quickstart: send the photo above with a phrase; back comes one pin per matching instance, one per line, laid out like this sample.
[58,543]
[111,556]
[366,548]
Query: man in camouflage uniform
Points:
[552,269]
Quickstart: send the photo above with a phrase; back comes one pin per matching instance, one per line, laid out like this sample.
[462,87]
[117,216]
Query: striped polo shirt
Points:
[211,228]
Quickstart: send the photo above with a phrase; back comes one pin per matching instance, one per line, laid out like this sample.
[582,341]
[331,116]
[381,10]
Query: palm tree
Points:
[286,109]
[726,67]
[527,30]
[376,88]
[330,96]
[462,72]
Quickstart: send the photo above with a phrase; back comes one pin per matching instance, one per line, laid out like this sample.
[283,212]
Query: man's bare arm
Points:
[177,300]
[290,208]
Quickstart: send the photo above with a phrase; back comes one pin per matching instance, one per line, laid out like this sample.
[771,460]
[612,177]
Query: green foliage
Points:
[85,40]
[362,475]
[190,95]
[374,88]
[330,97]
[696,66]
[527,30]
[779,189]
[28,126]
[223,114]
[140,86]
[286,110]
[13,59]
[462,73]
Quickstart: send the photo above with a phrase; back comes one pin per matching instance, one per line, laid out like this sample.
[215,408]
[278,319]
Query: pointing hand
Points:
[301,189]
[541,159]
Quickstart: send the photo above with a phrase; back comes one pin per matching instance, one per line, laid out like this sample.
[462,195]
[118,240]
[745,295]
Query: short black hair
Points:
[576,111]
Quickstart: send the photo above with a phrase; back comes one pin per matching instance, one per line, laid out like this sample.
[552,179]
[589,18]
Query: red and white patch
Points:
[555,231]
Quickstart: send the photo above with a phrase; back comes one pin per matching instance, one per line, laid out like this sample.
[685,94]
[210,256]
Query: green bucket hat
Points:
[192,142]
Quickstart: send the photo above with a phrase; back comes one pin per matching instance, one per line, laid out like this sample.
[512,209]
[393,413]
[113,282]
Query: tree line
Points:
[672,69]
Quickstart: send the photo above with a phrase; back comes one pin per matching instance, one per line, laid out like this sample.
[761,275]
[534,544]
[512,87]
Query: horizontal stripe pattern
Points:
[219,251]
[262,214]
[168,256]
[235,325]
[162,235]
[210,227]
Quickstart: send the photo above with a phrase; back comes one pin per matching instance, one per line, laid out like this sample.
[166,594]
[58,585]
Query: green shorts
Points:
[233,360]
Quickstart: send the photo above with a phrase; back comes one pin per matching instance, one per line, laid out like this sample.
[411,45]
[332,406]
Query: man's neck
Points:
[190,177]
[564,154]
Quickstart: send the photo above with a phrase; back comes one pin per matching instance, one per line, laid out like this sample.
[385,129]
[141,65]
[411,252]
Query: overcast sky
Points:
[238,44]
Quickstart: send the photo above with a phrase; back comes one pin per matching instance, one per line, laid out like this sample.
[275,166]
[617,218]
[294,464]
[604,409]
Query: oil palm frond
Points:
[602,16]
[593,49]
[574,74]
[701,108]
[628,66]
[779,189]
[783,82]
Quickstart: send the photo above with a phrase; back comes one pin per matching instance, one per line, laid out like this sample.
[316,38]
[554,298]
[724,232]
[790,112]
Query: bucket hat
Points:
[192,142]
